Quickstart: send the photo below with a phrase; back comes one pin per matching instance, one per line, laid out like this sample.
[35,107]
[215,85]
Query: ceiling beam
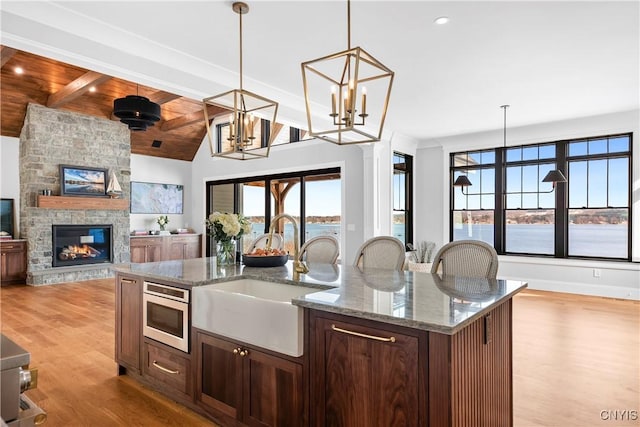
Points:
[191,118]
[6,54]
[76,88]
[162,97]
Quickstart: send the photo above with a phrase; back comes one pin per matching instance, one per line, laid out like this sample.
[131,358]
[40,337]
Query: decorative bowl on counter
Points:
[264,260]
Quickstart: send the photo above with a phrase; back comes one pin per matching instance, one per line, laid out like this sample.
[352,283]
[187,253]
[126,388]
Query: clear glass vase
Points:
[226,252]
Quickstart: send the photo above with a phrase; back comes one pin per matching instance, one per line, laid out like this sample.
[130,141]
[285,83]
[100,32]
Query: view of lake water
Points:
[600,240]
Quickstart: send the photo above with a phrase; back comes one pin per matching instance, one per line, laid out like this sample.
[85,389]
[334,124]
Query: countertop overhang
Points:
[411,299]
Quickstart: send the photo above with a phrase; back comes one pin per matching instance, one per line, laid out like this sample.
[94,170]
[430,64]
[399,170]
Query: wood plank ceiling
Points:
[58,85]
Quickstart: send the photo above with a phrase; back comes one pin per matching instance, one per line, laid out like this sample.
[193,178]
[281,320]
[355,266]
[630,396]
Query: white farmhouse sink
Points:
[253,311]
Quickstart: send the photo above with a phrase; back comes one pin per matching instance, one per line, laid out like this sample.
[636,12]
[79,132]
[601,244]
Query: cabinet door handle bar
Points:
[163,369]
[358,334]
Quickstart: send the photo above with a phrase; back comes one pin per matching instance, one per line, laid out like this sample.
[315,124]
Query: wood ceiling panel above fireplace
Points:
[103,203]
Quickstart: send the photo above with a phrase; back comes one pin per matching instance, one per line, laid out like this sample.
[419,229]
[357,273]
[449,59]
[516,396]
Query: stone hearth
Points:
[50,138]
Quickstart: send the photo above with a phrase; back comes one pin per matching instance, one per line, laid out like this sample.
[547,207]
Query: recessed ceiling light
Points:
[18,70]
[92,89]
[441,20]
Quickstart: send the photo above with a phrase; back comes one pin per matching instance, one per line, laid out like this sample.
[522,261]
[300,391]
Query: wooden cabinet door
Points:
[128,321]
[146,249]
[176,250]
[193,249]
[154,252]
[13,263]
[273,391]
[219,376]
[247,385]
[184,247]
[138,252]
[364,376]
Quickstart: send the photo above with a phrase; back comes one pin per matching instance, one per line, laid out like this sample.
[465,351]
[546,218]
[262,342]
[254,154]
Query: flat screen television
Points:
[7,215]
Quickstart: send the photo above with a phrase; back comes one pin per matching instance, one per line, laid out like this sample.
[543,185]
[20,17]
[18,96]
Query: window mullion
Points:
[499,201]
[561,210]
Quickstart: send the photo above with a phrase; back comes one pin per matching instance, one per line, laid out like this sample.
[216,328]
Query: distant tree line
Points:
[313,219]
[579,216]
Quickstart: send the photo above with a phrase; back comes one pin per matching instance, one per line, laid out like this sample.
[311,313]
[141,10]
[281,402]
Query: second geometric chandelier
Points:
[340,108]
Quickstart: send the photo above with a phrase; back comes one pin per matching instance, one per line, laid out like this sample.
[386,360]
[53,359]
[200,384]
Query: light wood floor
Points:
[574,357]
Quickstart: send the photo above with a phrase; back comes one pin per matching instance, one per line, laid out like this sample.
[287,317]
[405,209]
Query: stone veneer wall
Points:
[48,139]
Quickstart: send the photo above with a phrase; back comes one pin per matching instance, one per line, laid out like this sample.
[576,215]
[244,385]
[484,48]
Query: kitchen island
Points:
[380,348]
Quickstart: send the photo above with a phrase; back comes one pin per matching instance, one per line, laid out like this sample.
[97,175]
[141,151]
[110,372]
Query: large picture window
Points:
[510,207]
[312,197]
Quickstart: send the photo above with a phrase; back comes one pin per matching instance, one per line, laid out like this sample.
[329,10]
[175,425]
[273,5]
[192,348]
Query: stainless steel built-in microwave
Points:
[165,315]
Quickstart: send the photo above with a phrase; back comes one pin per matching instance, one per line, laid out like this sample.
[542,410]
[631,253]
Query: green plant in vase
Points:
[421,256]
[162,221]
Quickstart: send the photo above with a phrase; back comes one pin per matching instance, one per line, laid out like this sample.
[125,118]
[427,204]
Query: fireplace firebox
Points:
[82,244]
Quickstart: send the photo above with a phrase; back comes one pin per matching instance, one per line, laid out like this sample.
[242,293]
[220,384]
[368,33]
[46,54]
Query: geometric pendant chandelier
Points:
[247,111]
[346,94]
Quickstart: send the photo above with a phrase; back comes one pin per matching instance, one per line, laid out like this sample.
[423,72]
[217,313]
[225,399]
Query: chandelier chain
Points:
[348,24]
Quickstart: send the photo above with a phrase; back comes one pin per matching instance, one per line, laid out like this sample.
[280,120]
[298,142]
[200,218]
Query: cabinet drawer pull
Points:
[127,280]
[8,247]
[162,368]
[358,334]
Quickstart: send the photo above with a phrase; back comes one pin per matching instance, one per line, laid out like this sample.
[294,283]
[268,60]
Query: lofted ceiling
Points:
[550,60]
[54,84]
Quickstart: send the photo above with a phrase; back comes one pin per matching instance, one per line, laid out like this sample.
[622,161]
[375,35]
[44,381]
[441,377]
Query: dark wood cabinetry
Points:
[170,367]
[163,248]
[361,369]
[128,322]
[241,383]
[366,373]
[13,265]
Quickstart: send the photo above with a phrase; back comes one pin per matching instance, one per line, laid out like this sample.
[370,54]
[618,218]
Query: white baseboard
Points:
[607,291]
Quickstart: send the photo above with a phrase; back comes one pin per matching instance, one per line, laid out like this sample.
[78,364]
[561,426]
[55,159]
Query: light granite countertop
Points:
[417,300]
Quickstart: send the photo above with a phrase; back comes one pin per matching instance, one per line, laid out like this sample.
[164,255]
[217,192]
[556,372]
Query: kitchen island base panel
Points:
[470,373]
[439,356]
[457,380]
[366,373]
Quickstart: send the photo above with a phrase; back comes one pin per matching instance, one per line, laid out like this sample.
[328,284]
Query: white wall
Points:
[617,279]
[143,168]
[299,156]
[162,171]
[431,217]
[10,175]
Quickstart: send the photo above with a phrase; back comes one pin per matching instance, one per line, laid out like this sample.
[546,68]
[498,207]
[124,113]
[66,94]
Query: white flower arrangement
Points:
[227,226]
[162,221]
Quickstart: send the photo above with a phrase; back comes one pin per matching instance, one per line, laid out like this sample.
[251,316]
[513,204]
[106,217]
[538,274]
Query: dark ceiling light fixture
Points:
[554,176]
[136,111]
[156,143]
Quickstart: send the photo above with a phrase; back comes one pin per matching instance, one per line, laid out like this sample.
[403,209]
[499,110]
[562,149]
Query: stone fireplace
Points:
[48,139]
